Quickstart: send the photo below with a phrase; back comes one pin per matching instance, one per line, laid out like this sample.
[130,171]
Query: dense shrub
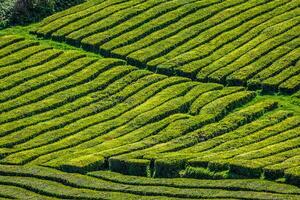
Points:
[6,10]
[27,11]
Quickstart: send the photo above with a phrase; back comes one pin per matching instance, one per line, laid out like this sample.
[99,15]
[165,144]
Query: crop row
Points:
[15,49]
[178,136]
[138,140]
[69,111]
[54,23]
[230,42]
[152,13]
[163,133]
[208,38]
[107,185]
[267,147]
[148,146]
[7,40]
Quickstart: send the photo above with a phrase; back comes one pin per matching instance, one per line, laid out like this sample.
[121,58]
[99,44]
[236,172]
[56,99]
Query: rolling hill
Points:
[237,42]
[179,100]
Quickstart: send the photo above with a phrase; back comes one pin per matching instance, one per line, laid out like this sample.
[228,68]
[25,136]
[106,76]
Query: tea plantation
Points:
[153,99]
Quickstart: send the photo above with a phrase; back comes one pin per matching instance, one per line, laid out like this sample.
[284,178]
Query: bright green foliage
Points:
[50,183]
[233,42]
[161,90]
[78,113]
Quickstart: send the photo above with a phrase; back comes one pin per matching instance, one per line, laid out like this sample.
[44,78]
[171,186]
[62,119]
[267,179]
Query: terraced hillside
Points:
[180,99]
[27,181]
[66,110]
[236,42]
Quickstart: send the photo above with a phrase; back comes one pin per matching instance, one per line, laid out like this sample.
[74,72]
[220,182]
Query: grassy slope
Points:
[33,127]
[287,102]
[24,31]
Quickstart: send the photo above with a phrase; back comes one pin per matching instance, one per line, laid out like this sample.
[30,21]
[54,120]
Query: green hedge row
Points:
[223,105]
[250,128]
[244,74]
[7,40]
[22,55]
[66,58]
[273,82]
[244,144]
[88,105]
[92,125]
[154,51]
[293,175]
[20,89]
[173,130]
[107,149]
[291,85]
[163,140]
[14,192]
[17,79]
[83,111]
[111,186]
[153,20]
[246,17]
[278,164]
[33,61]
[73,33]
[233,184]
[210,144]
[115,87]
[208,97]
[148,35]
[115,19]
[248,30]
[230,122]
[212,41]
[269,148]
[278,66]
[263,49]
[85,157]
[53,25]
[138,116]
[249,159]
[61,97]
[57,190]
[72,10]
[283,18]
[80,114]
[156,118]
[128,25]
[279,143]
[15,47]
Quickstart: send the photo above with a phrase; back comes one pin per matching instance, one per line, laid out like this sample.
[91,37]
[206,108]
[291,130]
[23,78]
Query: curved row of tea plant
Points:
[267,147]
[45,183]
[70,111]
[238,42]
